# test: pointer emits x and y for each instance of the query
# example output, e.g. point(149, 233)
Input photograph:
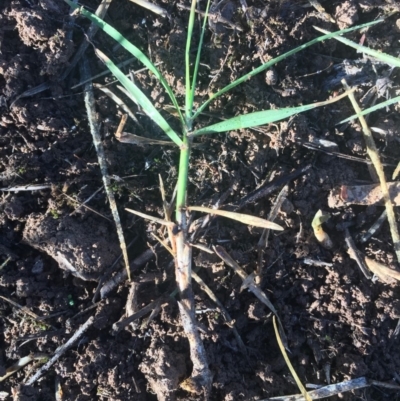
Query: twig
point(121, 126)
point(86, 201)
point(94, 129)
point(118, 326)
point(118, 102)
point(356, 159)
point(363, 195)
point(354, 253)
point(262, 243)
point(61, 350)
point(24, 309)
point(114, 281)
point(223, 311)
point(374, 228)
point(86, 206)
point(326, 391)
point(272, 186)
point(251, 285)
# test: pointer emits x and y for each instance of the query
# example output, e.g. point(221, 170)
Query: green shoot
point(385, 58)
point(371, 109)
point(201, 378)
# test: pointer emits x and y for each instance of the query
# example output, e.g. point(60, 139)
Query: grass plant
point(201, 378)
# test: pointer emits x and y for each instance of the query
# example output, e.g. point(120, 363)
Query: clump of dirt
point(163, 369)
point(82, 247)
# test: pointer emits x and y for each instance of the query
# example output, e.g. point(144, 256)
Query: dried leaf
point(382, 271)
point(151, 218)
point(243, 218)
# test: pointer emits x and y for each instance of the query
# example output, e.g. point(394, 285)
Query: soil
point(53, 252)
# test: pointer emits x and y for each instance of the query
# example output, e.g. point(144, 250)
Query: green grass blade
point(197, 63)
point(385, 58)
point(188, 111)
point(277, 59)
point(261, 117)
point(141, 98)
point(371, 109)
point(108, 29)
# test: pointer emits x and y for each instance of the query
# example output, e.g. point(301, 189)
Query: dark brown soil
point(55, 252)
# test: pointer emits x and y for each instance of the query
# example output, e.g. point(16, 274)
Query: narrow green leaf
point(371, 109)
point(109, 30)
point(385, 58)
point(261, 117)
point(197, 63)
point(188, 111)
point(141, 98)
point(270, 63)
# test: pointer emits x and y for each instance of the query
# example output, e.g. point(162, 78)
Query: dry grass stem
point(372, 152)
point(289, 364)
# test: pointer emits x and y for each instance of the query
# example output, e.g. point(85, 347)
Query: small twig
point(321, 10)
point(272, 186)
point(86, 201)
point(118, 102)
point(354, 253)
point(326, 391)
point(94, 129)
point(252, 286)
point(60, 351)
point(24, 309)
point(262, 243)
point(121, 126)
point(86, 206)
point(224, 312)
point(312, 146)
point(107, 273)
point(374, 228)
point(114, 281)
point(118, 326)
